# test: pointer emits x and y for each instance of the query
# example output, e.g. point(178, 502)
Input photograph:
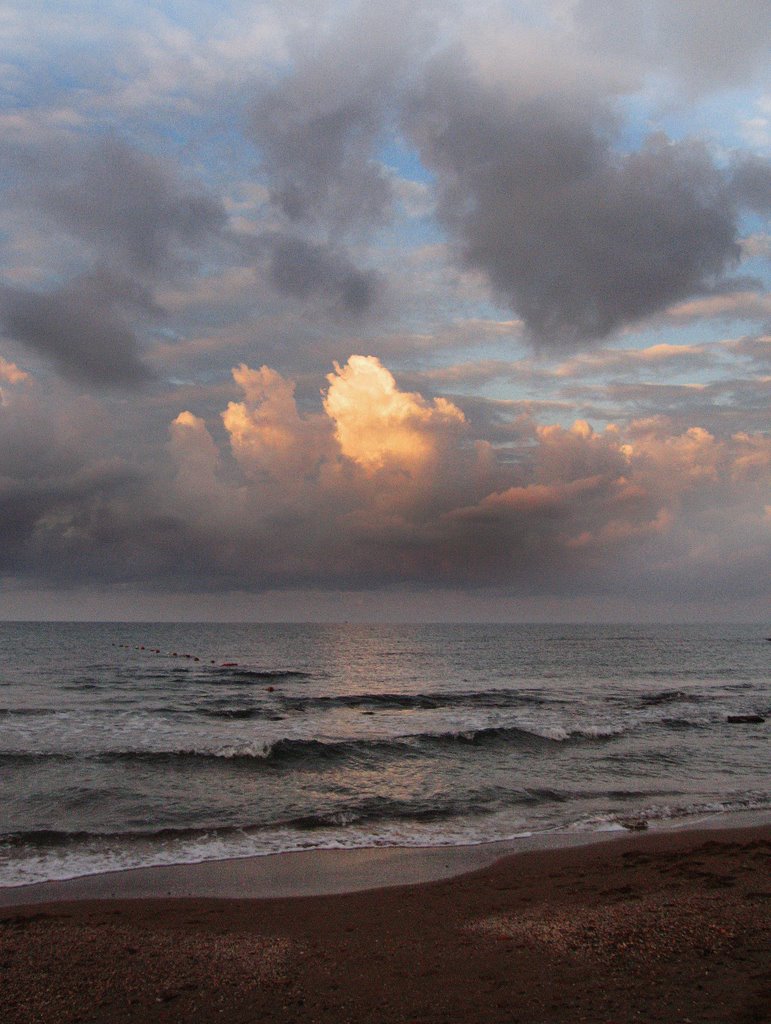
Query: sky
point(441, 311)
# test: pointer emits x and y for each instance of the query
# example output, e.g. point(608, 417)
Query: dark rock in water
point(635, 824)
point(746, 719)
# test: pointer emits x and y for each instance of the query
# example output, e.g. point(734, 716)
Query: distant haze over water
point(127, 744)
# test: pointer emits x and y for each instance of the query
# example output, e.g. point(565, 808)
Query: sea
point(133, 744)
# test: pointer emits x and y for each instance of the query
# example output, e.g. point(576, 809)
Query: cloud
point(132, 221)
point(706, 43)
point(756, 246)
point(268, 437)
point(521, 132)
point(58, 482)
point(129, 202)
point(755, 348)
point(522, 137)
point(131, 207)
point(378, 426)
point(302, 269)
point(195, 454)
point(578, 238)
point(84, 327)
point(319, 156)
point(385, 487)
point(732, 305)
point(395, 492)
point(607, 502)
point(752, 183)
point(318, 125)
point(663, 357)
point(10, 372)
point(433, 184)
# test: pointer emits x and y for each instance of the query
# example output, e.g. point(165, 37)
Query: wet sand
point(652, 927)
point(303, 873)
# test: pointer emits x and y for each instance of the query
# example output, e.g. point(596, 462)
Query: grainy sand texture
point(656, 927)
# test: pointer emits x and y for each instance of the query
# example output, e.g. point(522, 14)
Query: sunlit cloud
point(379, 426)
point(10, 372)
point(629, 360)
point(743, 305)
point(387, 485)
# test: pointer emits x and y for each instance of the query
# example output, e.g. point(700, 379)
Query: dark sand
point(653, 927)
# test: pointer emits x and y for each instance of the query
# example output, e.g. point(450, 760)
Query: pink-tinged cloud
point(630, 360)
point(267, 433)
point(743, 305)
point(279, 500)
point(377, 425)
point(519, 503)
point(385, 486)
point(11, 374)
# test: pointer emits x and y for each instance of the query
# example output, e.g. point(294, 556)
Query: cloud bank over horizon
point(384, 488)
point(376, 298)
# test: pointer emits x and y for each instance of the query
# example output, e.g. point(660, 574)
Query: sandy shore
point(304, 873)
point(653, 927)
point(323, 872)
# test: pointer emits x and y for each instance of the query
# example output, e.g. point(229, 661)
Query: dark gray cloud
point(131, 206)
point(317, 127)
point(305, 269)
point(57, 489)
point(577, 237)
point(752, 183)
point(318, 156)
point(138, 224)
point(85, 328)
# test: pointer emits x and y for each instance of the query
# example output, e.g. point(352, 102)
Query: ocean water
point(128, 744)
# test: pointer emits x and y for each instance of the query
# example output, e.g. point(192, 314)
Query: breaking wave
point(292, 749)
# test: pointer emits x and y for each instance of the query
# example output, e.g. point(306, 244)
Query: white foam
point(100, 855)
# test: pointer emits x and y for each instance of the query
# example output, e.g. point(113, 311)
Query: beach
point(663, 925)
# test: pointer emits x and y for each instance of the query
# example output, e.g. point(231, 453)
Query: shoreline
point(670, 926)
point(324, 872)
